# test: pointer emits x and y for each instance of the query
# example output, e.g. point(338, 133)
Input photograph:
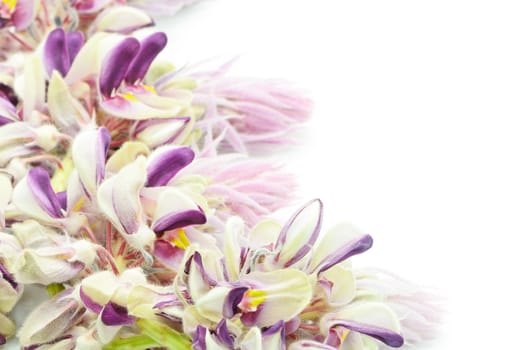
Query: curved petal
point(89, 151)
point(300, 233)
point(120, 19)
point(337, 245)
point(34, 196)
point(157, 132)
point(56, 52)
point(151, 46)
point(370, 318)
point(286, 293)
point(176, 210)
point(165, 162)
point(115, 65)
point(118, 197)
point(116, 315)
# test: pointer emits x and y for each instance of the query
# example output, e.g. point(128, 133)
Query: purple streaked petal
point(346, 251)
point(197, 259)
point(165, 165)
point(39, 184)
point(116, 315)
point(384, 335)
point(309, 241)
point(233, 298)
point(89, 302)
point(150, 47)
point(8, 277)
point(74, 42)
point(223, 335)
point(198, 342)
point(178, 220)
point(56, 52)
point(165, 303)
point(3, 339)
point(63, 199)
point(103, 143)
point(115, 65)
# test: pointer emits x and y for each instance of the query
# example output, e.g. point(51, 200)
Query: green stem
point(54, 289)
point(163, 335)
point(138, 342)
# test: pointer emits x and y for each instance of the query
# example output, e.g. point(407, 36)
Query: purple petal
point(74, 42)
point(199, 338)
point(9, 94)
point(167, 164)
point(89, 302)
point(103, 143)
point(150, 47)
point(3, 339)
point(178, 220)
point(313, 236)
point(4, 120)
point(249, 319)
point(63, 199)
point(279, 326)
point(56, 53)
point(346, 251)
point(39, 183)
point(8, 277)
point(233, 298)
point(223, 335)
point(116, 315)
point(115, 65)
point(384, 335)
point(168, 254)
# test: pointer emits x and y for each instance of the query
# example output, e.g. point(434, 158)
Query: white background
point(419, 135)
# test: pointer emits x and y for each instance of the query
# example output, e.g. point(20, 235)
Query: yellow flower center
point(129, 96)
point(180, 240)
point(10, 4)
point(252, 299)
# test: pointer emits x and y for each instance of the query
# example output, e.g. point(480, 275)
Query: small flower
point(60, 49)
point(120, 81)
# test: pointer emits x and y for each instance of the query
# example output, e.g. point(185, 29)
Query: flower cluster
point(128, 190)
